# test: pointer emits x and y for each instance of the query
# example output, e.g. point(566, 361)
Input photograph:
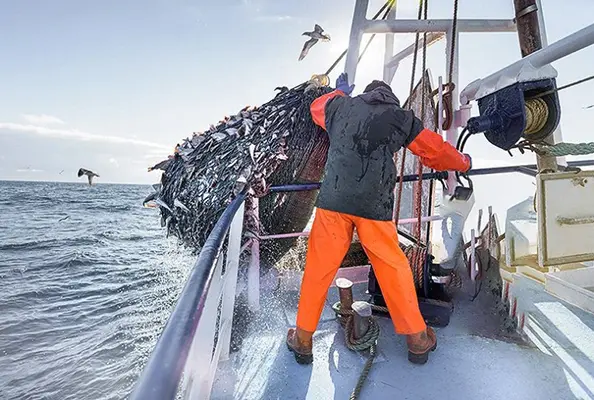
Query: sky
point(112, 86)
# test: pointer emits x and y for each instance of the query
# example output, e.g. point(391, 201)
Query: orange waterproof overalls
point(332, 232)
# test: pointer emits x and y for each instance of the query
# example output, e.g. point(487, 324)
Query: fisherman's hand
point(342, 84)
point(469, 162)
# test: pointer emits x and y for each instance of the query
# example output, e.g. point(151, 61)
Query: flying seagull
point(89, 174)
point(317, 34)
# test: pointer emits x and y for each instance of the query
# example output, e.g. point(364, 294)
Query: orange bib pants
point(329, 241)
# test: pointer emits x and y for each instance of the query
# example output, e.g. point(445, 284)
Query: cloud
point(29, 170)
point(77, 135)
point(274, 18)
point(42, 119)
point(114, 162)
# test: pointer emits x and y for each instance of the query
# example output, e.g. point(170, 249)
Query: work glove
point(342, 84)
point(469, 161)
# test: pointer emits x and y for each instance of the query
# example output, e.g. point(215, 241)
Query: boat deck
point(475, 358)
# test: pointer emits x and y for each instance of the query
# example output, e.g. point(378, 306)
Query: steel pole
point(530, 38)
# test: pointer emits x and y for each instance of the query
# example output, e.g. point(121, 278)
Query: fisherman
point(358, 191)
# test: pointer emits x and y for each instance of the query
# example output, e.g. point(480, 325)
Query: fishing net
point(276, 143)
point(410, 203)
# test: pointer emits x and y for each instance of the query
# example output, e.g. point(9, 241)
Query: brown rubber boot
point(301, 344)
point(419, 346)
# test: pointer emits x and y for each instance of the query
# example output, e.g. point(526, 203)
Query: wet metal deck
point(474, 360)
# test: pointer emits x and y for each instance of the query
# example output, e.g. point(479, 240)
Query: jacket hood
point(380, 95)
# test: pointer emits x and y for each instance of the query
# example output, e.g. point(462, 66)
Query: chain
point(449, 87)
point(453, 46)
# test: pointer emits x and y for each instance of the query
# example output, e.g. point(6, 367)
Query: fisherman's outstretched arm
point(436, 153)
point(318, 107)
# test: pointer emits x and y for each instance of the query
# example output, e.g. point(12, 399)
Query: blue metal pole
point(529, 169)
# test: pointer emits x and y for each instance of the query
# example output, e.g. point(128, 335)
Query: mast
point(531, 37)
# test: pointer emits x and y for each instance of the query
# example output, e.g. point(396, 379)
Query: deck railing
point(197, 334)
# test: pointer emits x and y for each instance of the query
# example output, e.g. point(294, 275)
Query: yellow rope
point(537, 114)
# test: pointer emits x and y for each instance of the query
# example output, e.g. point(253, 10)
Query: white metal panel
point(521, 233)
point(198, 365)
point(230, 281)
point(574, 286)
point(566, 217)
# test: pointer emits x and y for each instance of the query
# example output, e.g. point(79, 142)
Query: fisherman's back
point(360, 174)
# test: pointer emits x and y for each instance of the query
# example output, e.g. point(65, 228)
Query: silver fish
point(179, 204)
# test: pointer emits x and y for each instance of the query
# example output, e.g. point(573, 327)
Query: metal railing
point(198, 332)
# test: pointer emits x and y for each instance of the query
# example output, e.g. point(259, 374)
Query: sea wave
point(83, 298)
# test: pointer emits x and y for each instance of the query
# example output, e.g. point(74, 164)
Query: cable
point(464, 142)
point(373, 36)
point(579, 81)
point(461, 138)
point(389, 3)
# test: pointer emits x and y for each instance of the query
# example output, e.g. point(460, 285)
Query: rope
point(416, 253)
point(565, 149)
point(411, 91)
point(367, 341)
point(390, 7)
point(417, 256)
point(419, 194)
point(390, 4)
point(537, 114)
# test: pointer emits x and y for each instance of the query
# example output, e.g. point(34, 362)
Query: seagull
point(89, 174)
point(317, 34)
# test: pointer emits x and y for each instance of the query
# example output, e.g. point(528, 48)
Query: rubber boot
point(301, 344)
point(420, 345)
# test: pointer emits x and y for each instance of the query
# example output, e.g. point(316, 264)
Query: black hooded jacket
point(365, 131)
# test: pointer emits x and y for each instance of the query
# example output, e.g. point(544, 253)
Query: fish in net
point(276, 143)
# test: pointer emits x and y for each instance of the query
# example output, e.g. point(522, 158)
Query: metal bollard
point(345, 292)
point(361, 319)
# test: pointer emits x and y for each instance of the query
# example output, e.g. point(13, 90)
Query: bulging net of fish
point(276, 143)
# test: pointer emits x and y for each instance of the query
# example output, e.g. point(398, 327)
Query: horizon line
point(74, 182)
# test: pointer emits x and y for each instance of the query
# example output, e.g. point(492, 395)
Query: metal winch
point(525, 109)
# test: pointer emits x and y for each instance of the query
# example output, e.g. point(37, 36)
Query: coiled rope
point(537, 114)
point(367, 341)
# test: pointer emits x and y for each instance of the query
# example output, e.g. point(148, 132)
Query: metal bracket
point(525, 11)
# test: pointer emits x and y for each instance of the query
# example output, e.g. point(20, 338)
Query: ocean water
point(87, 282)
